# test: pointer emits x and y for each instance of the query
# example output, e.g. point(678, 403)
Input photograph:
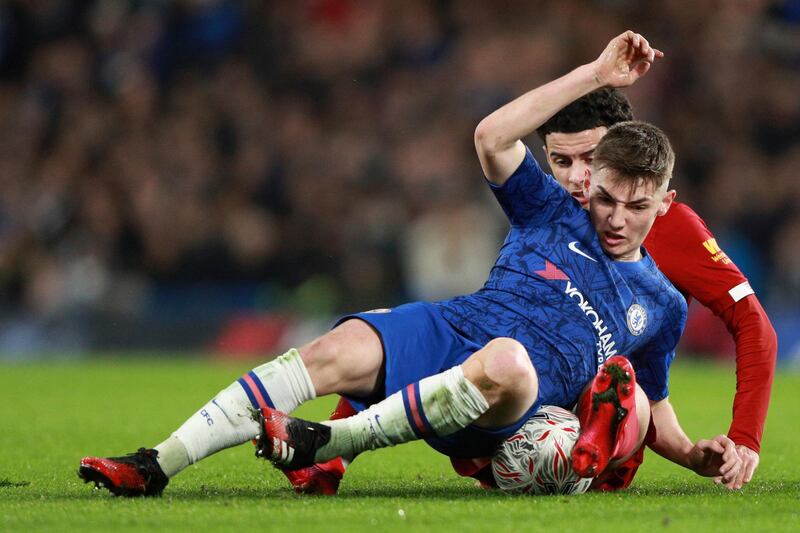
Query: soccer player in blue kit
point(569, 291)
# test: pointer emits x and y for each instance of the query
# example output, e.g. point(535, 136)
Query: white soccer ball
point(536, 459)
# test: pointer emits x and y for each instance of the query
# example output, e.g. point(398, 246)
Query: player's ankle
point(172, 456)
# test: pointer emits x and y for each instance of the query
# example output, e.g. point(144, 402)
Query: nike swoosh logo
point(574, 247)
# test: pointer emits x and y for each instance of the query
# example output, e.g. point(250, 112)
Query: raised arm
point(498, 136)
point(715, 457)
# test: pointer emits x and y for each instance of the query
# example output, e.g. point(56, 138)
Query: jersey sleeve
point(530, 195)
point(653, 360)
point(688, 254)
point(652, 373)
point(756, 353)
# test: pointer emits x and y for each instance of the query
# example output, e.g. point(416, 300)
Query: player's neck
point(630, 257)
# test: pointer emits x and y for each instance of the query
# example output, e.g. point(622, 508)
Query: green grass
point(52, 414)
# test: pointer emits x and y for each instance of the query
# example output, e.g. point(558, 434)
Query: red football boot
point(622, 476)
point(322, 478)
point(288, 442)
point(604, 423)
point(136, 474)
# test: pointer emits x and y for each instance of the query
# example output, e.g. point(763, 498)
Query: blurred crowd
point(321, 150)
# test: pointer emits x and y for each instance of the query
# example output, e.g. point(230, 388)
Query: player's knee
point(336, 345)
point(346, 359)
point(508, 367)
point(322, 351)
point(325, 360)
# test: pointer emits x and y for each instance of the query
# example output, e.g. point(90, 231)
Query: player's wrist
point(690, 455)
point(597, 76)
point(745, 448)
point(745, 441)
point(591, 77)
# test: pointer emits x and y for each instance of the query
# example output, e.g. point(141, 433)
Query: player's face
point(622, 215)
point(570, 157)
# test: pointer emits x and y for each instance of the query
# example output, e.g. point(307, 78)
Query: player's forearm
point(498, 136)
point(523, 115)
point(671, 441)
point(756, 353)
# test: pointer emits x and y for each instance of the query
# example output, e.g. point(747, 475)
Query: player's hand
point(749, 465)
point(627, 58)
point(717, 458)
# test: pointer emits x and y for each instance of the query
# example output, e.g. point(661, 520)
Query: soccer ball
point(536, 459)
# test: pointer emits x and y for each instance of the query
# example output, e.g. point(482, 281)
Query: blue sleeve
point(652, 374)
point(530, 195)
point(652, 363)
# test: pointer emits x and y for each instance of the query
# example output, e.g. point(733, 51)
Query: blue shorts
point(418, 342)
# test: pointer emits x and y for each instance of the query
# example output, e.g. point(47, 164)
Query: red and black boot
point(604, 411)
point(135, 474)
point(322, 478)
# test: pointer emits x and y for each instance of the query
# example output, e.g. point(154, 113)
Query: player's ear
point(587, 180)
point(666, 202)
point(544, 147)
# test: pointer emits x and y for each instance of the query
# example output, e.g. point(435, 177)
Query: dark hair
point(603, 107)
point(638, 152)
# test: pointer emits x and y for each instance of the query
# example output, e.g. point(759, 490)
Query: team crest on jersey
point(637, 319)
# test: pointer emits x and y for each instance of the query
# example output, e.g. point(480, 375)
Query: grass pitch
point(52, 414)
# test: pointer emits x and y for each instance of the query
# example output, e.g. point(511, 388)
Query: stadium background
point(227, 176)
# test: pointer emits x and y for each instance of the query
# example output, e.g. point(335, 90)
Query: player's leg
point(347, 359)
point(324, 478)
point(626, 453)
point(494, 387)
point(433, 346)
point(614, 414)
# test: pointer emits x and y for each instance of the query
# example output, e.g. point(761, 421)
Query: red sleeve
point(756, 352)
point(687, 253)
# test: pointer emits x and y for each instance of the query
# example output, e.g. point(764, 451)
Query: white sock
point(231, 417)
point(437, 405)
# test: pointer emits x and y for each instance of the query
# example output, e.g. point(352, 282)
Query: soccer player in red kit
point(571, 115)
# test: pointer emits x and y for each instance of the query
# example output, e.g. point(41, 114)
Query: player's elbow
point(751, 327)
point(487, 141)
point(771, 341)
point(495, 152)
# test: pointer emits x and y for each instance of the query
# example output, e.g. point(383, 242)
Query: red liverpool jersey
point(688, 254)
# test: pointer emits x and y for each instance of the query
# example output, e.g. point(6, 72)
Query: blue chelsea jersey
point(555, 290)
